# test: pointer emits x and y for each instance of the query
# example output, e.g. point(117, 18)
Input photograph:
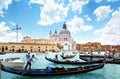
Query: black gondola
point(2, 53)
point(67, 56)
point(73, 62)
point(95, 56)
point(108, 60)
point(112, 61)
point(49, 71)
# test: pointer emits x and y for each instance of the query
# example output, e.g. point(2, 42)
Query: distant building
point(39, 45)
point(64, 38)
point(96, 46)
point(30, 45)
point(56, 42)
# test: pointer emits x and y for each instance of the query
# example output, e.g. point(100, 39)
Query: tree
point(59, 46)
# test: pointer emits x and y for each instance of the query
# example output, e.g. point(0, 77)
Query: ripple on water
point(110, 71)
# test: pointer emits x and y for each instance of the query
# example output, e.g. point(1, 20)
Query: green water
point(110, 71)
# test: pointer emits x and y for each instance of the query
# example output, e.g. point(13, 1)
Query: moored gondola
point(2, 53)
point(95, 56)
point(67, 56)
point(115, 60)
point(73, 62)
point(50, 71)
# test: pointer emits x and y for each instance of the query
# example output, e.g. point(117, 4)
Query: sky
point(87, 20)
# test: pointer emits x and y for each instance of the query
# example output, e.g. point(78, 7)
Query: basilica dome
point(64, 30)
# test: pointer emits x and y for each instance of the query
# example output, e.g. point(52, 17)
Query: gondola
point(108, 60)
point(67, 56)
point(112, 62)
point(73, 62)
point(95, 56)
point(50, 71)
point(75, 52)
point(2, 53)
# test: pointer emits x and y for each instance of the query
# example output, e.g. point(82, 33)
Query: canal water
point(109, 71)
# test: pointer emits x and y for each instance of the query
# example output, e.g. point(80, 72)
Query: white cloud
point(102, 12)
point(3, 27)
point(51, 12)
point(77, 24)
point(98, 1)
point(4, 6)
point(6, 34)
point(110, 34)
point(87, 18)
point(42, 2)
point(112, 0)
point(13, 24)
point(77, 5)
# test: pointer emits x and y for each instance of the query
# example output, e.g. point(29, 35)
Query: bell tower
point(50, 34)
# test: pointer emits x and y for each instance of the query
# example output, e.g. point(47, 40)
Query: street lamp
point(17, 28)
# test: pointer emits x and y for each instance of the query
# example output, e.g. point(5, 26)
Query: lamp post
point(17, 28)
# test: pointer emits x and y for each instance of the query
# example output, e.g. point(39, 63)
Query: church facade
point(64, 38)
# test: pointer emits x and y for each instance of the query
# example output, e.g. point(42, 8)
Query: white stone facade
point(64, 38)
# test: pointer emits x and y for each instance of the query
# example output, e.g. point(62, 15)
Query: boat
point(50, 71)
point(67, 56)
point(9, 59)
point(12, 62)
point(2, 53)
point(73, 62)
point(76, 52)
point(115, 60)
point(95, 56)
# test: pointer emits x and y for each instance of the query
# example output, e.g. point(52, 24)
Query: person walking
point(29, 60)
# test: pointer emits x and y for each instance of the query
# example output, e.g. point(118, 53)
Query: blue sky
point(87, 20)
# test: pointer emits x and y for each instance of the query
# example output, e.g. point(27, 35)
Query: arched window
point(22, 46)
point(23, 49)
point(6, 48)
point(31, 50)
point(13, 46)
point(45, 48)
point(38, 50)
point(13, 50)
point(2, 48)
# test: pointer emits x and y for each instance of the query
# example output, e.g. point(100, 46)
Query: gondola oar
point(24, 73)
